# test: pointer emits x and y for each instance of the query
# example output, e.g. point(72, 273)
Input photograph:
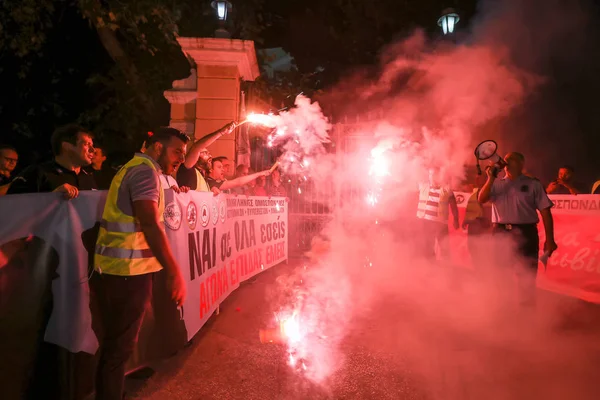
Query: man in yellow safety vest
point(131, 247)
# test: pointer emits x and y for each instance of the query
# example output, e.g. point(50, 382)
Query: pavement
point(395, 348)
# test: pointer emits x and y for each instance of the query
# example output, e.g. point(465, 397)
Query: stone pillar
point(221, 64)
point(183, 103)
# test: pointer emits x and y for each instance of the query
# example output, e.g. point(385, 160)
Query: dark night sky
point(556, 40)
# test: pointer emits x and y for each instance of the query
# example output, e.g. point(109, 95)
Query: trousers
point(519, 250)
point(433, 232)
point(118, 304)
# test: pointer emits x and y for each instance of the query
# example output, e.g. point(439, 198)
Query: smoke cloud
point(434, 101)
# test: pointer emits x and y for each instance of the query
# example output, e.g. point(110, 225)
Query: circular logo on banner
point(204, 214)
point(460, 199)
point(192, 215)
point(172, 216)
point(214, 213)
point(222, 211)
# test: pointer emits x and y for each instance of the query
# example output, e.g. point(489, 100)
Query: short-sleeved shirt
point(517, 201)
point(141, 182)
point(48, 176)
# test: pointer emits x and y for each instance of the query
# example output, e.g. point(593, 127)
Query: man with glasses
point(8, 163)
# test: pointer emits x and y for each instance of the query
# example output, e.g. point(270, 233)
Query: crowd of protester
point(80, 164)
point(125, 259)
point(166, 160)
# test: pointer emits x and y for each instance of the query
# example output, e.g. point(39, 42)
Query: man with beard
point(197, 162)
point(516, 200)
point(73, 149)
point(131, 248)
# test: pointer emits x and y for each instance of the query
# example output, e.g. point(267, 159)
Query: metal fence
point(310, 207)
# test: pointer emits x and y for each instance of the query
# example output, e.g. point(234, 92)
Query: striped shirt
point(433, 203)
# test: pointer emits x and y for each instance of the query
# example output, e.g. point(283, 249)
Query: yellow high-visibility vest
point(433, 208)
point(474, 208)
point(121, 248)
point(201, 185)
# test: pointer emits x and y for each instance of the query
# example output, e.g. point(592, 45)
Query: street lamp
point(448, 21)
point(222, 7)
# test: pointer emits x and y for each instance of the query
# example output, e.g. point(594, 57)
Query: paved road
point(394, 348)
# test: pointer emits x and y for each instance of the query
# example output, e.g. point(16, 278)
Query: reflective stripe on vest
point(121, 248)
point(433, 203)
point(116, 252)
point(201, 185)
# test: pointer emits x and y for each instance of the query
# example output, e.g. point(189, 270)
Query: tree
point(103, 63)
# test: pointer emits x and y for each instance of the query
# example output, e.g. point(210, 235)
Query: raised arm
point(242, 180)
point(194, 152)
point(485, 192)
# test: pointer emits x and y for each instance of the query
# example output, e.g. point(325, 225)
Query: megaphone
point(488, 150)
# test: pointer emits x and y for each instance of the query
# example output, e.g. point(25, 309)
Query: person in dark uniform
point(73, 149)
point(516, 199)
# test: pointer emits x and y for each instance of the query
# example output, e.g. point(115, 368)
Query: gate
point(310, 208)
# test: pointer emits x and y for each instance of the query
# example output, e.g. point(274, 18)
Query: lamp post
point(222, 7)
point(448, 21)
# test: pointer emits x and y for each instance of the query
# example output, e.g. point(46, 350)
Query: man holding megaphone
point(516, 199)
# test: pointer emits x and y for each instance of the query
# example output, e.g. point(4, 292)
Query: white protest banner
point(574, 269)
point(220, 241)
point(46, 241)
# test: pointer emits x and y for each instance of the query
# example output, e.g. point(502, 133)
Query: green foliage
point(103, 63)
